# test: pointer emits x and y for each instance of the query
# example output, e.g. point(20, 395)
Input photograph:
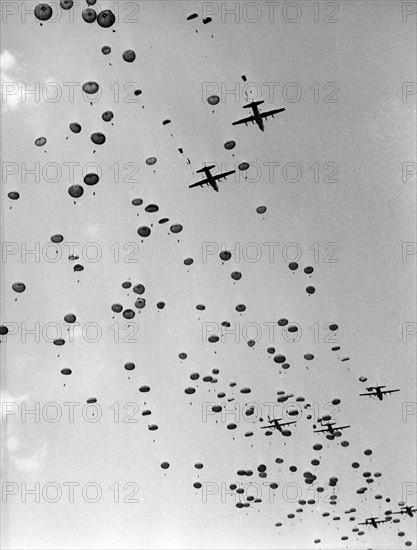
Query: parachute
point(70, 318)
point(309, 356)
point(128, 314)
point(107, 116)
point(151, 208)
point(90, 87)
point(19, 287)
point(236, 275)
point(137, 202)
point(144, 231)
point(13, 195)
point(176, 228)
point(106, 50)
point(40, 141)
point(308, 270)
point(98, 138)
point(293, 266)
point(243, 166)
point(76, 191)
point(189, 391)
point(43, 12)
point(106, 19)
point(282, 322)
point(140, 303)
point(75, 127)
point(117, 308)
point(230, 145)
point(91, 2)
point(129, 366)
point(139, 289)
point(91, 179)
point(129, 56)
point(164, 465)
point(66, 4)
point(188, 261)
point(126, 284)
point(213, 100)
point(261, 209)
point(150, 161)
point(310, 290)
point(89, 15)
point(66, 371)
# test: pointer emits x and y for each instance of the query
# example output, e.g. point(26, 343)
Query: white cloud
point(12, 443)
point(16, 91)
point(32, 463)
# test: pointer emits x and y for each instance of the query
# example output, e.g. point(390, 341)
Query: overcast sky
point(343, 153)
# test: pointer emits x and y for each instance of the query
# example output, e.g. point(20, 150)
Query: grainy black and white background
point(102, 463)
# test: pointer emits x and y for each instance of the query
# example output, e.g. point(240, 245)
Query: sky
point(336, 173)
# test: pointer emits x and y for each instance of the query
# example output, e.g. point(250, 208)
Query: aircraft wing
point(244, 120)
point(363, 523)
point(340, 428)
point(202, 182)
point(317, 431)
point(220, 176)
point(287, 423)
point(371, 393)
point(271, 113)
point(397, 513)
point(271, 426)
point(389, 391)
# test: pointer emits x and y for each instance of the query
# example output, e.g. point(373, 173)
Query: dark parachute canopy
point(106, 19)
point(43, 12)
point(213, 100)
point(129, 56)
point(57, 238)
point(19, 287)
point(14, 195)
point(144, 231)
point(66, 4)
point(176, 228)
point(76, 191)
point(40, 141)
point(91, 179)
point(107, 116)
point(98, 138)
point(90, 87)
point(75, 127)
point(89, 15)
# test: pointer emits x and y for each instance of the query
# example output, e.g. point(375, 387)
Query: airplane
point(374, 522)
point(377, 392)
point(257, 116)
point(210, 179)
point(276, 425)
point(409, 510)
point(331, 428)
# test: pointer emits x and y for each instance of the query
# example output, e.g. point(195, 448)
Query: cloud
point(32, 463)
point(16, 91)
point(12, 443)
